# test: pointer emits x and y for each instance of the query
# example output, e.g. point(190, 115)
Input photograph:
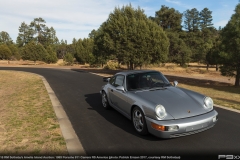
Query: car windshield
point(146, 80)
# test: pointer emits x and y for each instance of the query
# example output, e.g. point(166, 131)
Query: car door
point(115, 82)
point(110, 90)
point(120, 98)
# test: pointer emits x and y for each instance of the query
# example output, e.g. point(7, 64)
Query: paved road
point(106, 132)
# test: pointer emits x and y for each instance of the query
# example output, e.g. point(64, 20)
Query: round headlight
point(208, 103)
point(160, 111)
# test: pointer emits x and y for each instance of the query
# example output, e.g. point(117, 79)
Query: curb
point(73, 144)
point(229, 109)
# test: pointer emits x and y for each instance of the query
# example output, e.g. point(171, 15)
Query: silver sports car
point(156, 106)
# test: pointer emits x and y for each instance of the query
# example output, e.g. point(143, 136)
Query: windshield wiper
point(160, 87)
point(167, 84)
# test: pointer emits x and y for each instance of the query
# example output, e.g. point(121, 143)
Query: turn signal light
point(158, 127)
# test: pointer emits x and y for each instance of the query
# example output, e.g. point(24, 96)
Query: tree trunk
point(131, 65)
point(216, 67)
point(237, 80)
point(207, 66)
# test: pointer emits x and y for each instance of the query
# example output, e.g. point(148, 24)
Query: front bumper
point(186, 126)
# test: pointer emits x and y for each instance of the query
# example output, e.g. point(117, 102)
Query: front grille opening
point(189, 133)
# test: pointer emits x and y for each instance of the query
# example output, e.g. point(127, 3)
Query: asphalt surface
point(107, 132)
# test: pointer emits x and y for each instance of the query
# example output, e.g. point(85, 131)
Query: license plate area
point(196, 127)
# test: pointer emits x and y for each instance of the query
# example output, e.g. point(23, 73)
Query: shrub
point(5, 52)
point(111, 65)
point(68, 59)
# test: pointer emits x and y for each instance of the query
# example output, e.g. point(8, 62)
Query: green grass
point(228, 96)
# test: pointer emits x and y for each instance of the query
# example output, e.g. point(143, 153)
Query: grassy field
point(228, 96)
point(28, 123)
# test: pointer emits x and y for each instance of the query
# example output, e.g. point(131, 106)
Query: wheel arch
point(135, 105)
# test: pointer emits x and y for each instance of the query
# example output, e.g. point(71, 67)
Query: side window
point(119, 80)
point(112, 80)
point(132, 82)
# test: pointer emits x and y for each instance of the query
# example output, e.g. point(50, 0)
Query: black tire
point(138, 121)
point(105, 100)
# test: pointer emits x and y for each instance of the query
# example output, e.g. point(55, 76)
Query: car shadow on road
point(114, 117)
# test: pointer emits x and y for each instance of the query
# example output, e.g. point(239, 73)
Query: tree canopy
point(5, 52)
point(34, 52)
point(5, 38)
point(230, 51)
point(132, 38)
point(168, 18)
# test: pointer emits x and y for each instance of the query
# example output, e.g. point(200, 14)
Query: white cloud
point(179, 3)
point(174, 2)
point(221, 16)
point(222, 23)
point(65, 16)
point(76, 18)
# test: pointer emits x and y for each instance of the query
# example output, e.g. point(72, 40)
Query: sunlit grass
point(28, 123)
point(228, 96)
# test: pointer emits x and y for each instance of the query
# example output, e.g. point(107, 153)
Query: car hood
point(178, 103)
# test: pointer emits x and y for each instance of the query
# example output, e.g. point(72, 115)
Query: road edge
point(73, 143)
point(226, 108)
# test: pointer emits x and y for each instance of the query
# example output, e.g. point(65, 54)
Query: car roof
point(135, 71)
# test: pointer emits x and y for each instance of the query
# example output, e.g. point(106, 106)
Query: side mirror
point(175, 83)
point(106, 79)
point(120, 88)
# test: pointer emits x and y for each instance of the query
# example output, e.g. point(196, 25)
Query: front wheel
point(105, 101)
point(139, 122)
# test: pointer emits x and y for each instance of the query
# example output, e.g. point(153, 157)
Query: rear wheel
point(139, 122)
point(105, 100)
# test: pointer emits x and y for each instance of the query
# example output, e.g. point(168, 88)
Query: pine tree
point(168, 18)
point(230, 56)
point(69, 59)
point(178, 51)
point(205, 18)
point(25, 34)
point(5, 38)
point(52, 56)
point(15, 52)
point(38, 25)
point(34, 52)
point(5, 52)
point(132, 38)
point(100, 52)
point(192, 20)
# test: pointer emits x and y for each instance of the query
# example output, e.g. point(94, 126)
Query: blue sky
point(76, 18)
